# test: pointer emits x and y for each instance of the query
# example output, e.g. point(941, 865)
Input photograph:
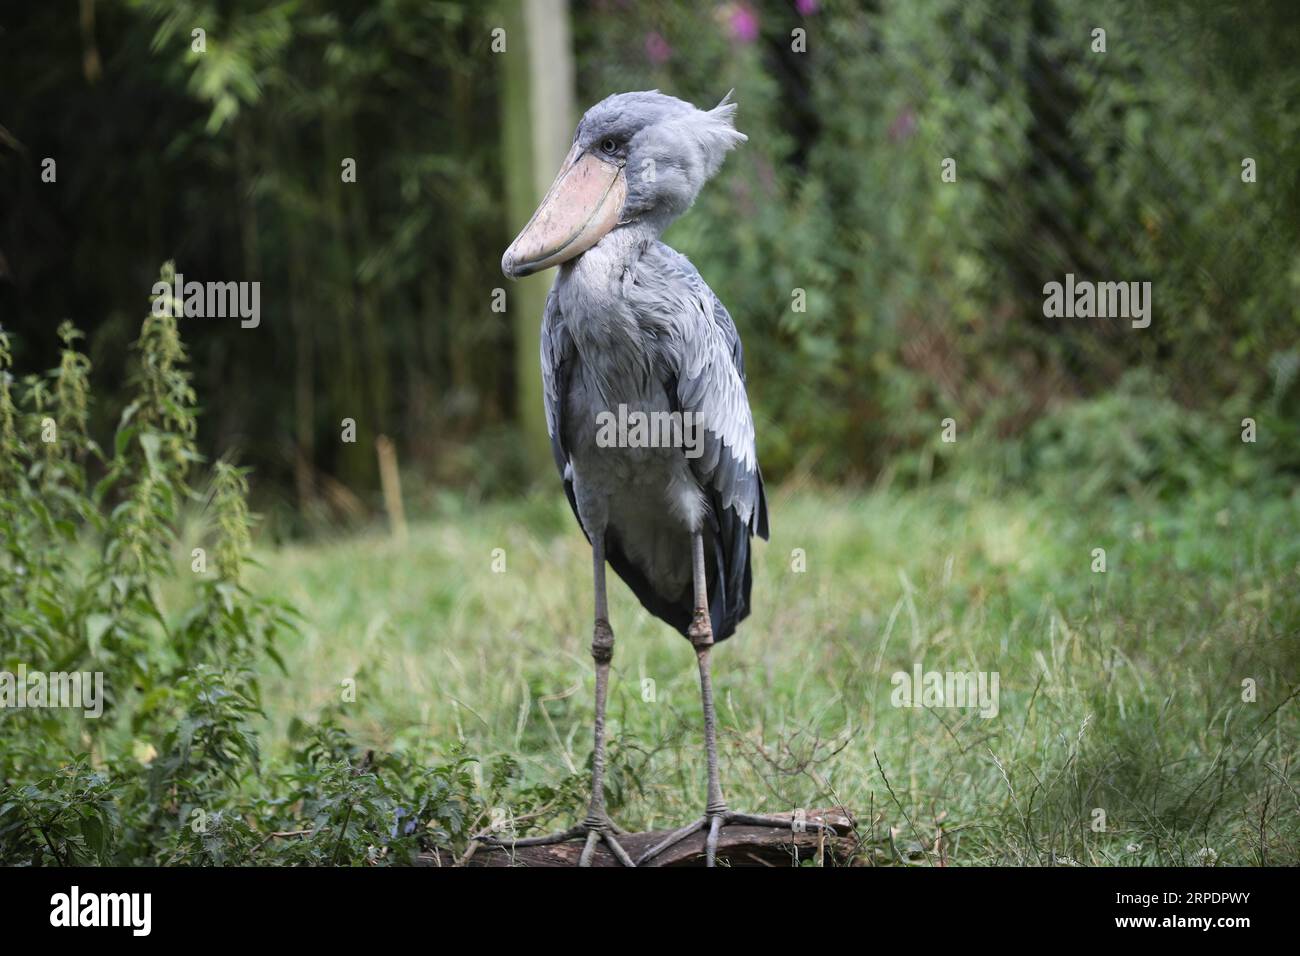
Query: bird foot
point(712, 823)
point(592, 831)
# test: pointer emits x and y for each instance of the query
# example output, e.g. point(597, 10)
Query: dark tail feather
point(677, 612)
point(726, 566)
point(727, 569)
point(730, 575)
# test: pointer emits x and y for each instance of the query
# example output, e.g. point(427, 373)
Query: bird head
point(636, 158)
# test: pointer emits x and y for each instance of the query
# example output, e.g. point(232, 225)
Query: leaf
point(97, 625)
point(123, 439)
point(151, 443)
point(93, 831)
point(274, 654)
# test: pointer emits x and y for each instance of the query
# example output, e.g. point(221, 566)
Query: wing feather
point(557, 365)
point(710, 378)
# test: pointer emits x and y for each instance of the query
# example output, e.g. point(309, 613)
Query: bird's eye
point(609, 147)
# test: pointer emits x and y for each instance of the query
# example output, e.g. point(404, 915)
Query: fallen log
point(740, 845)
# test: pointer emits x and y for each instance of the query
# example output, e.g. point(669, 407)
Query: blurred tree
point(538, 117)
point(230, 161)
point(875, 299)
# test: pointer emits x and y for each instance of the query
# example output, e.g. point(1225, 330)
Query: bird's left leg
point(597, 826)
point(716, 813)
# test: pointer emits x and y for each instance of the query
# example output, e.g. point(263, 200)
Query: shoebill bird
point(629, 322)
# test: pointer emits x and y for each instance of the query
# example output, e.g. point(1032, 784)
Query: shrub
point(96, 577)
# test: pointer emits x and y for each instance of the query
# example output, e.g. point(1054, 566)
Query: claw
point(617, 849)
point(677, 836)
point(711, 844)
point(593, 837)
point(593, 834)
point(714, 822)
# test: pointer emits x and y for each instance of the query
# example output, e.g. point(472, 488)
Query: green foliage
point(924, 297)
point(1121, 690)
point(375, 303)
point(1134, 441)
point(110, 581)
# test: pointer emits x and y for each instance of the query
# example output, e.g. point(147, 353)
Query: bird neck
point(612, 260)
point(629, 240)
point(593, 291)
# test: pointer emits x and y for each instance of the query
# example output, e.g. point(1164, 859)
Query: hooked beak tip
point(512, 268)
point(509, 265)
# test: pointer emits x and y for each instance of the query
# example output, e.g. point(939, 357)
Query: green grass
point(1120, 691)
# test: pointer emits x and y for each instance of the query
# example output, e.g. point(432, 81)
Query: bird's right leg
point(597, 826)
point(716, 813)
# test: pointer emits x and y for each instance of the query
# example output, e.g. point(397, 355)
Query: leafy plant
point(98, 578)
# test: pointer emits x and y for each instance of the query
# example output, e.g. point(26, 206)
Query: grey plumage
point(631, 322)
point(629, 325)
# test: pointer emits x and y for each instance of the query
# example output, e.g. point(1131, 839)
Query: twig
point(901, 810)
point(285, 833)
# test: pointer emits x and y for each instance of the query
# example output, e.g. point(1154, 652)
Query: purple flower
point(742, 21)
point(806, 8)
point(657, 50)
point(903, 126)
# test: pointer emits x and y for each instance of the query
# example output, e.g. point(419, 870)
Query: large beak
point(581, 206)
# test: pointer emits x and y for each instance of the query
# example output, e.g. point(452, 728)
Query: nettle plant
point(96, 579)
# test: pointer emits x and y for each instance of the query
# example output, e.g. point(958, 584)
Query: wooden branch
point(738, 845)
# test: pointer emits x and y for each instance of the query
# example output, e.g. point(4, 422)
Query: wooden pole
point(538, 116)
point(391, 480)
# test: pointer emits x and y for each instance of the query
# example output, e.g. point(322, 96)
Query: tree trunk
point(538, 118)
